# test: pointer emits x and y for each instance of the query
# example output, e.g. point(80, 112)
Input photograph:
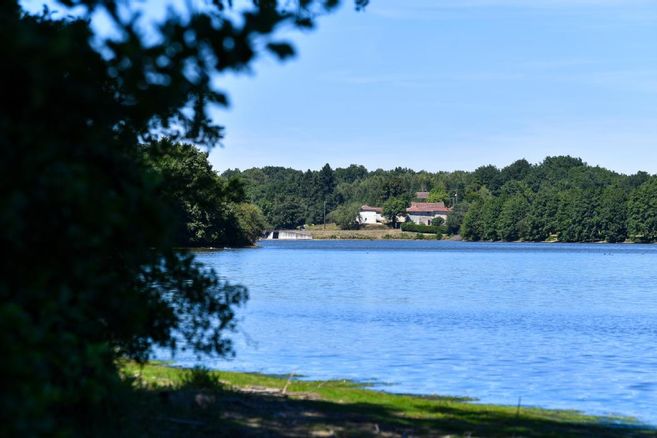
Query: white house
point(423, 212)
point(370, 215)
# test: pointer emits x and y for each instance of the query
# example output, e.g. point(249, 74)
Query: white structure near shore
point(370, 215)
point(288, 235)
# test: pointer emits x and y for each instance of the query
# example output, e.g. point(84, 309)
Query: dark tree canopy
point(208, 208)
point(93, 274)
point(642, 212)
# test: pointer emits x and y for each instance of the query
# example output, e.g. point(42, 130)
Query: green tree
point(437, 221)
point(346, 216)
point(488, 176)
point(350, 174)
point(552, 170)
point(490, 212)
point(512, 223)
point(472, 228)
point(541, 220)
point(613, 214)
point(111, 283)
point(250, 220)
point(456, 217)
point(578, 216)
point(327, 181)
point(394, 186)
point(514, 205)
point(438, 194)
point(634, 181)
point(287, 213)
point(477, 194)
point(393, 208)
point(201, 200)
point(518, 171)
point(642, 212)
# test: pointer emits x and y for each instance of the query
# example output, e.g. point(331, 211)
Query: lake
point(560, 325)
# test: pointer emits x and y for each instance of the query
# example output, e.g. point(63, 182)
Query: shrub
point(201, 378)
point(415, 228)
point(437, 221)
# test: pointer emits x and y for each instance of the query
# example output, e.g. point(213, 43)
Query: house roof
point(422, 195)
point(368, 208)
point(428, 207)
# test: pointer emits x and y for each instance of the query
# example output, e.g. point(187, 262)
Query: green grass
point(177, 402)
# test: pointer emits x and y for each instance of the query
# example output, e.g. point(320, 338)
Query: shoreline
point(260, 404)
point(397, 235)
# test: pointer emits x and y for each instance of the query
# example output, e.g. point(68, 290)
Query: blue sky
point(454, 84)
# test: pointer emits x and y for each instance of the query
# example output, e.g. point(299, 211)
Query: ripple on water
point(560, 325)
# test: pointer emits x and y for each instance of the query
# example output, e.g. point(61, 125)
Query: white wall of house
point(370, 217)
point(425, 218)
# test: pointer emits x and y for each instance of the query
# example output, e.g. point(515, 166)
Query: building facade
point(370, 215)
point(422, 213)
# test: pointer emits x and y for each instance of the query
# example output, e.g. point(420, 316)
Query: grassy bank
point(369, 233)
point(176, 402)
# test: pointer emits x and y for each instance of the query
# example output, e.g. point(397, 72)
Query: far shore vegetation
point(560, 199)
point(193, 402)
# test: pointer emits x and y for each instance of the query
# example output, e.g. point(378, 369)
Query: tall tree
point(490, 213)
point(512, 222)
point(578, 216)
point(471, 228)
point(394, 208)
point(613, 214)
point(516, 171)
point(327, 180)
point(73, 112)
point(642, 212)
point(438, 194)
point(488, 176)
point(541, 218)
point(204, 204)
point(455, 219)
point(350, 174)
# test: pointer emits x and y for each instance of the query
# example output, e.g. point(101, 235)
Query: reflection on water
point(563, 326)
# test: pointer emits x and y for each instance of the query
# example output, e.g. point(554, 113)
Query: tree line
point(561, 198)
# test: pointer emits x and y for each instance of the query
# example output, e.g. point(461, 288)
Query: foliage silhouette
point(209, 209)
point(93, 274)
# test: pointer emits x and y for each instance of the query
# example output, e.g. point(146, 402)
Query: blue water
point(560, 325)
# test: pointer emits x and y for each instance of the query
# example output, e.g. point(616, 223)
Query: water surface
point(560, 325)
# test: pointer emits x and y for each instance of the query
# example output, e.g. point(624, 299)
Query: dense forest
point(561, 198)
